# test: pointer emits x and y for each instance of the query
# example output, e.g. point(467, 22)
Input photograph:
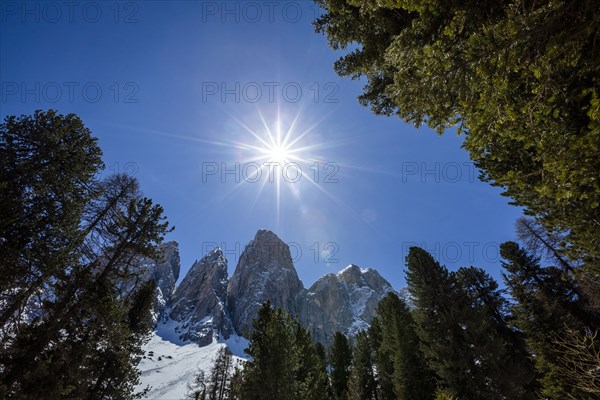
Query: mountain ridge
point(209, 305)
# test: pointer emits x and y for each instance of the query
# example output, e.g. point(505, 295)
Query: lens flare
point(281, 149)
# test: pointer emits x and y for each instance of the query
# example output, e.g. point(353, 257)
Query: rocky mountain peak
point(208, 305)
point(215, 256)
point(164, 270)
point(265, 235)
point(267, 250)
point(265, 271)
point(344, 302)
point(199, 304)
point(351, 274)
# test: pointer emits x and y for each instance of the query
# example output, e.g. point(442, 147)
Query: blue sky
point(176, 92)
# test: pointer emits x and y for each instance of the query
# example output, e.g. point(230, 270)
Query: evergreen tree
point(85, 319)
point(320, 349)
point(220, 376)
point(461, 323)
point(546, 308)
point(48, 164)
point(311, 375)
point(87, 313)
point(398, 353)
point(549, 247)
point(236, 383)
point(383, 363)
point(114, 373)
point(341, 361)
point(363, 383)
point(324, 366)
point(517, 77)
point(285, 363)
point(271, 372)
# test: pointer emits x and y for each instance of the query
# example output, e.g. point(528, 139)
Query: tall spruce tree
point(324, 366)
point(340, 356)
point(363, 382)
point(383, 363)
point(546, 308)
point(48, 164)
point(311, 375)
point(461, 323)
point(285, 362)
point(271, 372)
point(549, 247)
point(398, 354)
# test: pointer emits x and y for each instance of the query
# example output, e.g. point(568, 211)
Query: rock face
point(344, 302)
point(165, 273)
point(207, 305)
point(199, 304)
point(264, 272)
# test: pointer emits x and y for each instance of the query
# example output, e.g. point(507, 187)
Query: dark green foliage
point(270, 374)
point(363, 383)
point(285, 362)
point(518, 77)
point(74, 313)
point(548, 247)
point(547, 309)
point(311, 375)
point(323, 366)
point(383, 362)
point(47, 166)
point(461, 323)
point(402, 370)
point(340, 360)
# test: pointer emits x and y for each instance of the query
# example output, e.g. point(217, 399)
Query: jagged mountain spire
point(343, 302)
point(200, 302)
point(265, 271)
point(207, 305)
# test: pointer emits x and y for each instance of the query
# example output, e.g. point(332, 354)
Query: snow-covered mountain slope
point(170, 364)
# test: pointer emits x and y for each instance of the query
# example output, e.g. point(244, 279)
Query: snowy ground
point(169, 364)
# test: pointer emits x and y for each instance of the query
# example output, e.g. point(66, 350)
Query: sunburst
point(286, 161)
point(273, 145)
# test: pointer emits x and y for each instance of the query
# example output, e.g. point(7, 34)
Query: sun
point(283, 156)
point(279, 154)
point(277, 143)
